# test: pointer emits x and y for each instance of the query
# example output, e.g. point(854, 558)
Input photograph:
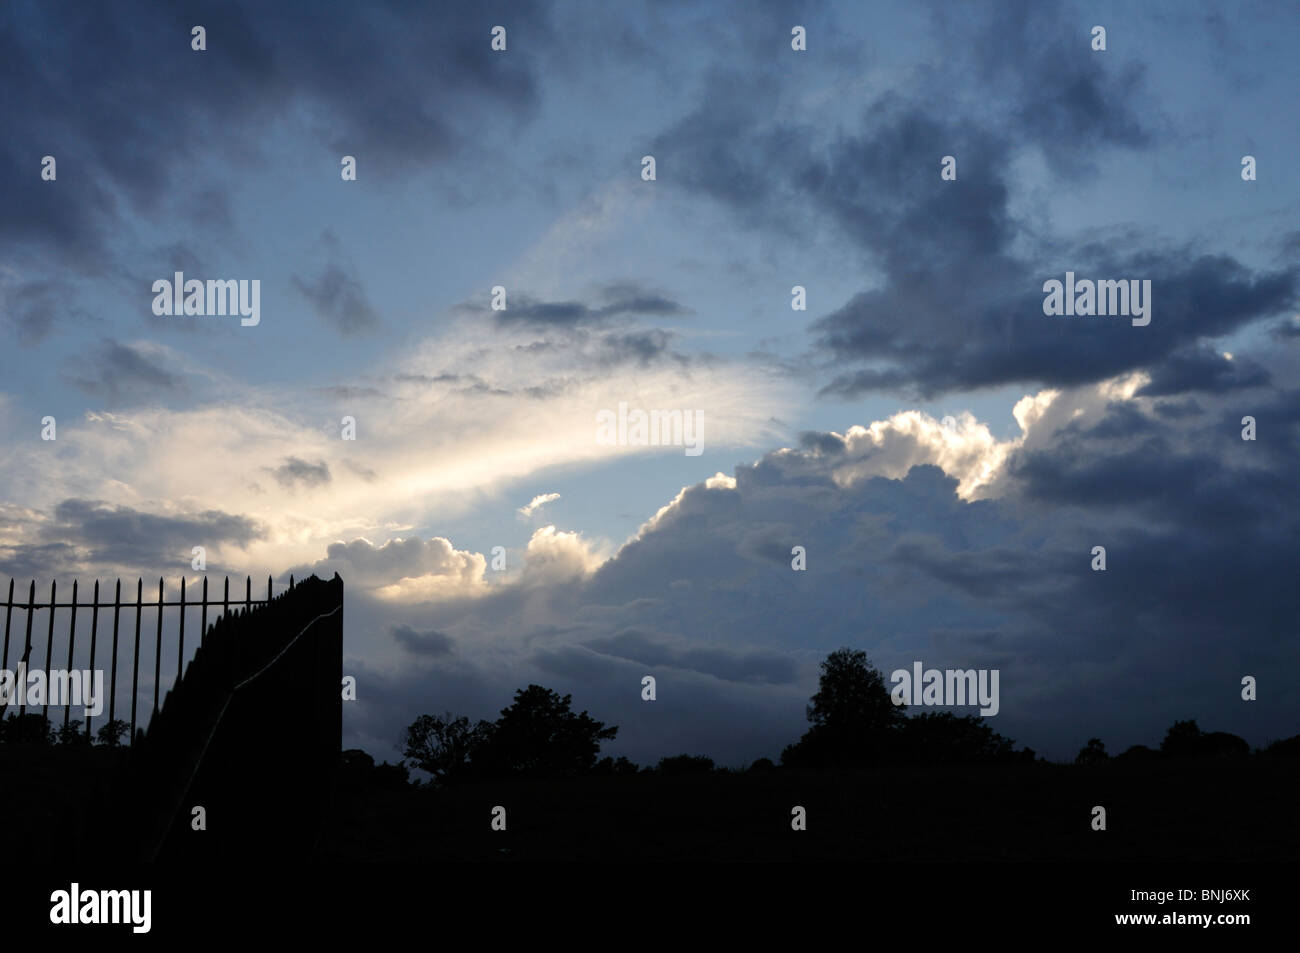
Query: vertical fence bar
point(225, 600)
point(9, 617)
point(135, 665)
point(291, 582)
point(157, 655)
point(27, 648)
point(72, 641)
point(268, 589)
point(49, 646)
point(203, 620)
point(248, 594)
point(94, 628)
point(180, 656)
point(112, 678)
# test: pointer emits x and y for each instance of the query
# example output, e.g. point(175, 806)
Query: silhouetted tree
point(942, 737)
point(112, 732)
point(539, 734)
point(27, 729)
point(1093, 752)
point(71, 734)
point(851, 695)
point(1186, 740)
point(443, 745)
point(1181, 739)
point(853, 718)
point(762, 764)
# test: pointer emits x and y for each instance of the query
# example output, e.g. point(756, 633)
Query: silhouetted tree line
point(1186, 740)
point(35, 729)
point(854, 724)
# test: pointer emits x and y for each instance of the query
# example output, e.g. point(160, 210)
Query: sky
point(965, 544)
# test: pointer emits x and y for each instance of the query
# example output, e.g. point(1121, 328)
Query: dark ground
point(1239, 809)
point(1231, 809)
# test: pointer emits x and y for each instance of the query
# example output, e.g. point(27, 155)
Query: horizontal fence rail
point(135, 610)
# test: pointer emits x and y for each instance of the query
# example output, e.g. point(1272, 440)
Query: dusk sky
point(962, 546)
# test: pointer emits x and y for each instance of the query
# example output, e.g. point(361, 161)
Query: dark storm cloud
point(727, 664)
point(32, 308)
point(1200, 369)
point(339, 300)
point(1197, 484)
point(935, 335)
point(430, 643)
point(122, 374)
point(128, 109)
point(617, 300)
point(122, 535)
point(960, 303)
point(36, 560)
point(294, 472)
point(1060, 94)
point(1286, 330)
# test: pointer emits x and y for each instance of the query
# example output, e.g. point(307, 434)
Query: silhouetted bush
point(358, 771)
point(1285, 748)
point(390, 777)
point(1185, 740)
point(28, 729)
point(1138, 753)
point(685, 764)
point(608, 766)
point(944, 738)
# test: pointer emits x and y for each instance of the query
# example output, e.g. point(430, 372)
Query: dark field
point(1199, 810)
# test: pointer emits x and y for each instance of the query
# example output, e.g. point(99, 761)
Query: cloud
point(261, 68)
point(537, 503)
point(339, 300)
point(935, 543)
point(553, 556)
point(431, 643)
point(32, 308)
point(124, 374)
point(621, 299)
point(81, 533)
point(726, 664)
point(953, 298)
point(402, 568)
point(295, 472)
